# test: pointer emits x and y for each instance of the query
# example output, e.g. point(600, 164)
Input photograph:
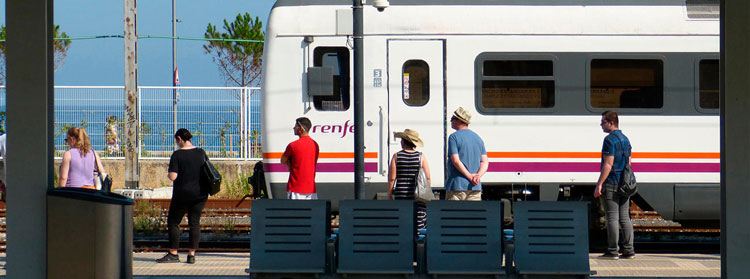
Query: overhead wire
point(154, 37)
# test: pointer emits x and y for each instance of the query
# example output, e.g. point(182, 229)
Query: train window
point(627, 83)
point(336, 58)
point(517, 84)
point(708, 83)
point(415, 83)
point(515, 68)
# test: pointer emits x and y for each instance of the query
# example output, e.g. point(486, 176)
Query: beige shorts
point(473, 195)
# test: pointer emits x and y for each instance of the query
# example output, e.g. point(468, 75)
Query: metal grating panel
point(554, 234)
point(376, 236)
point(464, 237)
point(289, 236)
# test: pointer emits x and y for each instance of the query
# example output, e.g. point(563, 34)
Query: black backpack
point(210, 179)
point(258, 181)
point(627, 186)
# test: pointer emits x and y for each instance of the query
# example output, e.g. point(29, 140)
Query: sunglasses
point(602, 122)
point(299, 125)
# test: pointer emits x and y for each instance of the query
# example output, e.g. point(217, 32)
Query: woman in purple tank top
point(79, 162)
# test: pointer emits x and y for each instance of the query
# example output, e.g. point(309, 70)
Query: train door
point(416, 98)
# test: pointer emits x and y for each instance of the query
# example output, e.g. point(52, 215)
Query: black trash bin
point(89, 234)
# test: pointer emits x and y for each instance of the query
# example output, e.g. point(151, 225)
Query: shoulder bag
point(102, 181)
point(627, 186)
point(423, 190)
point(210, 179)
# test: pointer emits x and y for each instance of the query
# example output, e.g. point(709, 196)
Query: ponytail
point(82, 139)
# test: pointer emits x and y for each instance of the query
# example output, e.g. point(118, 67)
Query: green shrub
point(229, 226)
point(236, 188)
point(148, 218)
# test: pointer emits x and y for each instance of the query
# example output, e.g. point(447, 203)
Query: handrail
point(382, 153)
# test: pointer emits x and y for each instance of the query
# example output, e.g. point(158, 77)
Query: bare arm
point(99, 165)
point(288, 163)
point(64, 169)
point(606, 168)
point(484, 164)
point(391, 177)
point(426, 168)
point(172, 176)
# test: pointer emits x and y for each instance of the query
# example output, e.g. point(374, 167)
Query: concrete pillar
point(30, 103)
point(735, 138)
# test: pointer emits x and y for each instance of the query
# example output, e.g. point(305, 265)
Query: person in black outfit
point(187, 196)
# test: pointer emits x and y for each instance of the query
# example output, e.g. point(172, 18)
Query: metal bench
point(464, 239)
point(552, 239)
point(290, 237)
point(376, 238)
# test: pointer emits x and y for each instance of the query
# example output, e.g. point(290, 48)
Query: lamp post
point(359, 133)
point(359, 115)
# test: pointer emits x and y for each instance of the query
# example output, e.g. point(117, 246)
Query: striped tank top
point(407, 168)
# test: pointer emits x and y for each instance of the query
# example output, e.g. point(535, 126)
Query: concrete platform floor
point(234, 265)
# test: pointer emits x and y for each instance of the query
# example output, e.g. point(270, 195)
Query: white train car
point(536, 76)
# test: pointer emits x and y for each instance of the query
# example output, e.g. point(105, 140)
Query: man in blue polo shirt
point(467, 160)
point(615, 154)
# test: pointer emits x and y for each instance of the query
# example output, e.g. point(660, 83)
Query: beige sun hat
point(463, 115)
point(409, 135)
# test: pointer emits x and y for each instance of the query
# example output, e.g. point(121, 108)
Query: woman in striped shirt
point(403, 171)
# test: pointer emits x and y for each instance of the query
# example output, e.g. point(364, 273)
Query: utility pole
point(359, 115)
point(174, 69)
point(359, 89)
point(132, 151)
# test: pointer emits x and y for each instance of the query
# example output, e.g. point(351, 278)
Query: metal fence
point(225, 121)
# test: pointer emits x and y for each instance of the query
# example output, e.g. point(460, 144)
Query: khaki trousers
point(473, 195)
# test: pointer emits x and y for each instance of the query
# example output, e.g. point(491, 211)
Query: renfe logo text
point(333, 129)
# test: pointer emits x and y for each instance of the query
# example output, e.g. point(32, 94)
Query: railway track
point(651, 221)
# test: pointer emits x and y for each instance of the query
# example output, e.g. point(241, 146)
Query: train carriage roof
point(281, 3)
point(509, 17)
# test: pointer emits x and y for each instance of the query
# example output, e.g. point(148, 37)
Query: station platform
point(235, 265)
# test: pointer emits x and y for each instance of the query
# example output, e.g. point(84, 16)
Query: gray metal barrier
point(89, 234)
point(551, 239)
point(289, 238)
point(376, 237)
point(464, 238)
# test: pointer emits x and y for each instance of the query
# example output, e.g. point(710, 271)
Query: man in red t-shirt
point(301, 157)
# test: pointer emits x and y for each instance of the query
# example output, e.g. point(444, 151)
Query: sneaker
point(628, 256)
point(169, 258)
point(609, 256)
point(191, 259)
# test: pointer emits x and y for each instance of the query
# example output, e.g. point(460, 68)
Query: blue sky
point(100, 61)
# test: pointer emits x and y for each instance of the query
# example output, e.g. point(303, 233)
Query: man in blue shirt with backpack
point(615, 155)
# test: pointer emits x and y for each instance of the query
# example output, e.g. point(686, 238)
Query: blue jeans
point(617, 209)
